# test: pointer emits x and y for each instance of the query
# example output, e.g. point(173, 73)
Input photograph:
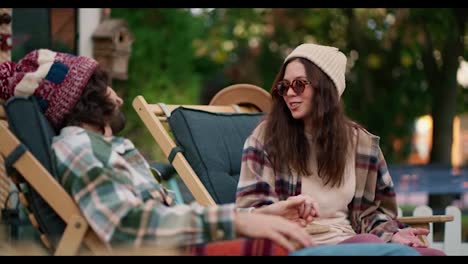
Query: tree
point(161, 65)
point(401, 61)
point(443, 32)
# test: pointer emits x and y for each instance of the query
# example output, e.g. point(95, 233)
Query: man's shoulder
point(79, 141)
point(73, 137)
point(76, 139)
point(71, 134)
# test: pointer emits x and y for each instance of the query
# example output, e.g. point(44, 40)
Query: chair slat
point(2, 113)
point(158, 111)
point(425, 219)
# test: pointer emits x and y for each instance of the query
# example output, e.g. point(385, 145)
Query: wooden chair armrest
point(316, 228)
point(425, 219)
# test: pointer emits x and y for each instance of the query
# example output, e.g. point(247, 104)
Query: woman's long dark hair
point(94, 106)
point(285, 140)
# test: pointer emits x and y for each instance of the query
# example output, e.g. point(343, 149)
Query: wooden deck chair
point(207, 156)
point(25, 147)
point(156, 116)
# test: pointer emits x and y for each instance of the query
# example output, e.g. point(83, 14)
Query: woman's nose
point(290, 91)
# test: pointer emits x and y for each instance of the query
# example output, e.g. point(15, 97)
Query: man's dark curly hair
point(94, 106)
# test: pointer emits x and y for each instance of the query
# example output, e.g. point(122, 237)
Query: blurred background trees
point(402, 63)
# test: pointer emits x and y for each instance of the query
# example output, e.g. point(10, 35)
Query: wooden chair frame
point(77, 233)
point(77, 230)
point(241, 97)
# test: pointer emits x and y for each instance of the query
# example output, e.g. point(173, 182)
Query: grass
point(407, 210)
point(465, 227)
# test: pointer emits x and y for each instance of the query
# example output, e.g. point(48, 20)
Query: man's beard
point(117, 122)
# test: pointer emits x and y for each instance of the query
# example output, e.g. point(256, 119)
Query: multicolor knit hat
point(57, 79)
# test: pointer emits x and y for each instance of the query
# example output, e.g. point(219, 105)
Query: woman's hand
point(309, 209)
point(284, 232)
point(301, 208)
point(409, 236)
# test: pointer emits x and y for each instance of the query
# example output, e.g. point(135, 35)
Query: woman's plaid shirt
point(373, 208)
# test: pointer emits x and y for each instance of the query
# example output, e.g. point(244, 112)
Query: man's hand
point(302, 209)
point(282, 231)
point(409, 236)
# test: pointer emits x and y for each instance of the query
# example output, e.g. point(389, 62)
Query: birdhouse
point(112, 47)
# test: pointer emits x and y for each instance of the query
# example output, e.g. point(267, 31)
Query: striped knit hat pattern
point(329, 59)
point(56, 79)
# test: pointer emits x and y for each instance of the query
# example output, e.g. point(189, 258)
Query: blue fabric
point(434, 179)
point(358, 249)
point(57, 72)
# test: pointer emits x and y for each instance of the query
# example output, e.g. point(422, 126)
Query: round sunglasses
point(298, 86)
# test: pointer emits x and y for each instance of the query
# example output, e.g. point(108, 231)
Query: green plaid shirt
point(115, 190)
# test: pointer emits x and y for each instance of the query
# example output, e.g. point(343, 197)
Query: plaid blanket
point(239, 247)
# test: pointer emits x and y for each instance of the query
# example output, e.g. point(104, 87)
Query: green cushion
point(212, 143)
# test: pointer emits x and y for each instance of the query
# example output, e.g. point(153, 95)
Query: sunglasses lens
point(298, 86)
point(282, 88)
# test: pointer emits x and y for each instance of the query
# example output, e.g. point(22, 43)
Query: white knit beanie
point(329, 59)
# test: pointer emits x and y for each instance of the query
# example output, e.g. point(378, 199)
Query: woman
point(308, 149)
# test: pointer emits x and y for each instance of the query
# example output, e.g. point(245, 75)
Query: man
point(110, 180)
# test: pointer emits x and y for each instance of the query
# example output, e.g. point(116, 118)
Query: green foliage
point(175, 52)
point(161, 65)
point(465, 227)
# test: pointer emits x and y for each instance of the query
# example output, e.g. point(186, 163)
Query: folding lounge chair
point(25, 147)
point(153, 116)
point(208, 142)
point(26, 150)
point(252, 96)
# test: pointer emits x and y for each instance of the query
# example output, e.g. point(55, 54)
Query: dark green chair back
point(29, 125)
point(212, 143)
